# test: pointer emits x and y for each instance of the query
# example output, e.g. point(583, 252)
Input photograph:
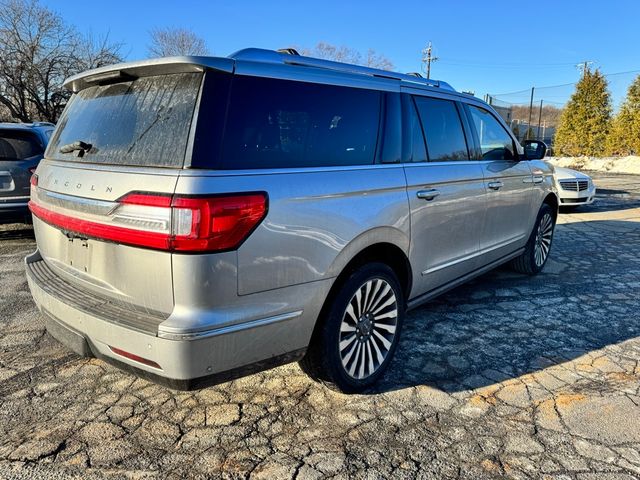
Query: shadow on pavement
point(504, 325)
point(603, 204)
point(16, 232)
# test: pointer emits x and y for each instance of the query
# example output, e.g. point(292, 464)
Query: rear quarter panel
point(318, 219)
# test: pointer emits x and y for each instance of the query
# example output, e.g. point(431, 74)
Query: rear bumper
point(184, 363)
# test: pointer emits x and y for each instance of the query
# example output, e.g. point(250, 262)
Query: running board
point(430, 295)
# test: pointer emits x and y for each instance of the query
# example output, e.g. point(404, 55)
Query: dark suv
point(21, 149)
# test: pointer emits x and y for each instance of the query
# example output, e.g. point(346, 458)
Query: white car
point(574, 188)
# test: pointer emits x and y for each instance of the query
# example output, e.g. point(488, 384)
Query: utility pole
point(427, 58)
point(539, 120)
point(530, 114)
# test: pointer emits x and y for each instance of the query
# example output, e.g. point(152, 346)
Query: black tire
point(325, 360)
point(541, 237)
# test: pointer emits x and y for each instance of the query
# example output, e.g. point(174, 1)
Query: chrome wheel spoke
point(391, 300)
point(354, 364)
point(387, 328)
point(359, 302)
point(370, 366)
point(379, 355)
point(386, 343)
point(347, 357)
point(392, 314)
point(380, 296)
point(346, 342)
point(362, 360)
point(374, 293)
point(366, 299)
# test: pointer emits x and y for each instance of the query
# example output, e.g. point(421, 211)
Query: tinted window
point(141, 122)
point(418, 152)
point(280, 123)
point(17, 145)
point(495, 142)
point(442, 129)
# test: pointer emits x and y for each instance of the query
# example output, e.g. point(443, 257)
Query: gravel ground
point(506, 377)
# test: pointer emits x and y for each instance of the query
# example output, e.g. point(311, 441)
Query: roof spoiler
point(145, 68)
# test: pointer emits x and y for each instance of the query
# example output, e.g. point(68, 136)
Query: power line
point(507, 64)
point(561, 84)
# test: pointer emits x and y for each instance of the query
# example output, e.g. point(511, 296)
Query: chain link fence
point(534, 113)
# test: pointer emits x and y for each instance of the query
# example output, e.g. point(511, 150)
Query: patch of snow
point(629, 164)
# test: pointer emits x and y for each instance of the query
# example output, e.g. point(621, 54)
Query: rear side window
point(442, 129)
point(280, 123)
point(495, 142)
point(17, 145)
point(144, 122)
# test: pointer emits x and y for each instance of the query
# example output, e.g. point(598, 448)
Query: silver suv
point(198, 219)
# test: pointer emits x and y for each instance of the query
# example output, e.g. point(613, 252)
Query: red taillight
point(34, 177)
point(219, 223)
point(181, 224)
point(135, 358)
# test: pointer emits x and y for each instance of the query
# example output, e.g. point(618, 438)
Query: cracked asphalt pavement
point(506, 377)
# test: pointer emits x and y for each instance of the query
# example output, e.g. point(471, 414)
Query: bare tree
point(38, 50)
point(349, 55)
point(166, 42)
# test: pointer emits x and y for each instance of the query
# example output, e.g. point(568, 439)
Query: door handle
point(427, 194)
point(538, 179)
point(495, 185)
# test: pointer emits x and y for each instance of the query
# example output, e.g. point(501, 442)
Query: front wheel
point(359, 332)
point(537, 250)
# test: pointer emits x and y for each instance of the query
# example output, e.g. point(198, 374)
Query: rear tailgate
point(101, 197)
point(129, 275)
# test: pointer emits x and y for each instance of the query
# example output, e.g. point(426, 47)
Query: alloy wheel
point(368, 328)
point(543, 239)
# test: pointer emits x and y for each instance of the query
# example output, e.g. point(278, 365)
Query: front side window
point(495, 142)
point(442, 129)
point(276, 123)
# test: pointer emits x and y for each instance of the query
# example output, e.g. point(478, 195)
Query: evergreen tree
point(624, 137)
point(585, 121)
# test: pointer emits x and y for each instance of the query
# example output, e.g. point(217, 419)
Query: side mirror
point(534, 149)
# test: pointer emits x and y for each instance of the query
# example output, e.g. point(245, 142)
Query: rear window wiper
point(79, 147)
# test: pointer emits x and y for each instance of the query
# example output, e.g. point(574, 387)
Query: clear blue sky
point(484, 46)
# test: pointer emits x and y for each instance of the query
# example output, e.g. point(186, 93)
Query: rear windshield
point(144, 122)
point(17, 145)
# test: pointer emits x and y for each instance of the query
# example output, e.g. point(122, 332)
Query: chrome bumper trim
point(229, 329)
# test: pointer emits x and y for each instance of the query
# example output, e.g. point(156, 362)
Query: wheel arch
point(386, 245)
point(552, 200)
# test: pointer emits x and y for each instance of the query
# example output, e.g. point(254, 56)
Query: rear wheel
point(359, 332)
point(537, 250)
